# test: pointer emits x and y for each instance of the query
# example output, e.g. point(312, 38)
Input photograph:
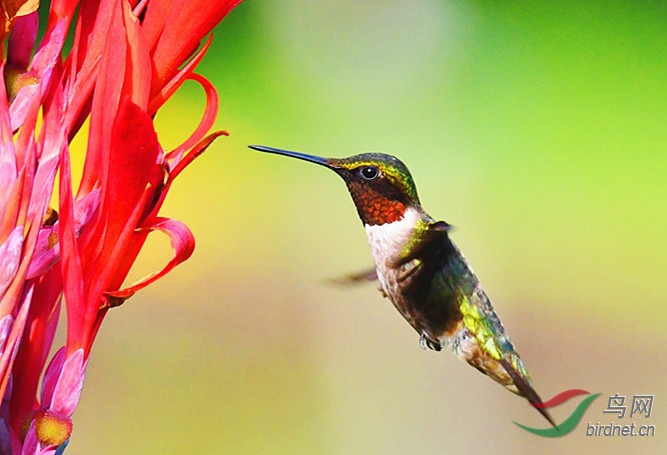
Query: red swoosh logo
point(560, 398)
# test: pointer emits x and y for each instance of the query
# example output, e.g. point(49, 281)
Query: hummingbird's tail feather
point(526, 389)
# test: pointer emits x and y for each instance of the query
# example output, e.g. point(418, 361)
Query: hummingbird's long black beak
point(302, 156)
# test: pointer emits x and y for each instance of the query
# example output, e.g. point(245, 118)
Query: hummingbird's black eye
point(369, 172)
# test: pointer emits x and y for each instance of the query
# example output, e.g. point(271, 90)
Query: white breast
point(387, 242)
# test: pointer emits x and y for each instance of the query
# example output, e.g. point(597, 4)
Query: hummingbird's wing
point(363, 276)
point(449, 307)
point(351, 279)
point(427, 300)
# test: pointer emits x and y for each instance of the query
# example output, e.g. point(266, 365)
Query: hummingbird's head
point(381, 185)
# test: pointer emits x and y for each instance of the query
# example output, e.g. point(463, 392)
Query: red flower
point(125, 62)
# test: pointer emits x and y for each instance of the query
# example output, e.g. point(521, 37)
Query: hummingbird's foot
point(381, 289)
point(422, 341)
point(427, 343)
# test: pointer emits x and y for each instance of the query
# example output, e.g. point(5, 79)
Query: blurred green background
point(537, 129)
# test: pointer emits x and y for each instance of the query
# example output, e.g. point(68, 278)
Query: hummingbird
point(423, 273)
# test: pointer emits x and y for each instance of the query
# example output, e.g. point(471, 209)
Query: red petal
point(194, 153)
point(206, 123)
point(22, 40)
point(174, 30)
point(72, 273)
point(172, 85)
point(10, 257)
point(106, 98)
point(139, 60)
point(83, 62)
point(8, 353)
point(42, 66)
point(68, 387)
point(135, 167)
point(134, 181)
point(47, 252)
point(183, 243)
point(62, 9)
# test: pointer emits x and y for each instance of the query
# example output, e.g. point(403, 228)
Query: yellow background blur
point(537, 129)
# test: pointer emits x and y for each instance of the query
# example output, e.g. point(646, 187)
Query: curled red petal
point(206, 123)
point(183, 243)
point(184, 74)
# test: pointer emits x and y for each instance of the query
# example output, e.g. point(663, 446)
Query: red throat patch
point(374, 208)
